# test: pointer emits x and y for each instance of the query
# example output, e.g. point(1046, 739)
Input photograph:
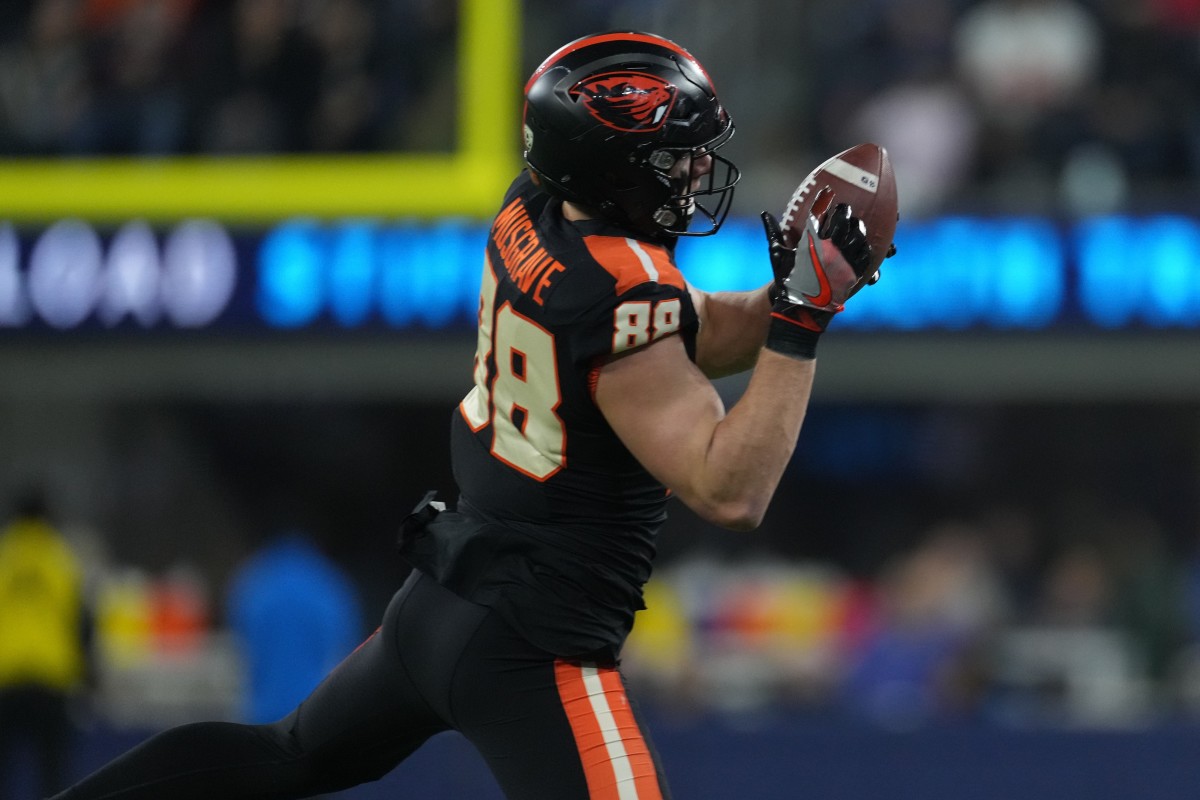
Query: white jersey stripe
point(626, 785)
point(644, 257)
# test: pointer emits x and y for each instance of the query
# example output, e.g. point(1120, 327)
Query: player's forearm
point(724, 465)
point(752, 445)
point(733, 327)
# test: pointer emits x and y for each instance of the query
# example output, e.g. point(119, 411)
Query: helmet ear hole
point(662, 159)
point(666, 217)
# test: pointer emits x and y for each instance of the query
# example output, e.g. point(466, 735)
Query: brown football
point(862, 177)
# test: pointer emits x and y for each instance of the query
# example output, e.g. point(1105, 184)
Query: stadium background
point(238, 256)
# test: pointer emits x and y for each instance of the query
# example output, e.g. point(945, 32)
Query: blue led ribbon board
point(951, 274)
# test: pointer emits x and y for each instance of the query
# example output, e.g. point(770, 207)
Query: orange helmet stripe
point(644, 38)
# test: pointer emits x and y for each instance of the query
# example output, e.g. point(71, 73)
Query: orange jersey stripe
point(633, 263)
point(616, 760)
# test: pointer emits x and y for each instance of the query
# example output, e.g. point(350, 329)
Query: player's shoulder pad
point(632, 262)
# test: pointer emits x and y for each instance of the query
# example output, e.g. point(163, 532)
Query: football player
point(592, 406)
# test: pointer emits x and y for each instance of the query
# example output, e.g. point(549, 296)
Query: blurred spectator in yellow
point(44, 651)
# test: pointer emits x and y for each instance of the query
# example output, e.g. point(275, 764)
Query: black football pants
point(549, 728)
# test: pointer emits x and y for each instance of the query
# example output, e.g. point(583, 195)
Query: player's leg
point(363, 719)
point(375, 710)
point(550, 727)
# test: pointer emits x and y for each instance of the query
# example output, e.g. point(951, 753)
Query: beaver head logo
point(627, 100)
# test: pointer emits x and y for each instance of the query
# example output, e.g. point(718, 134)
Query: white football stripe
point(644, 257)
point(622, 770)
point(852, 174)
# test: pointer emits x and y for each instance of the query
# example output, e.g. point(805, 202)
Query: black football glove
point(829, 264)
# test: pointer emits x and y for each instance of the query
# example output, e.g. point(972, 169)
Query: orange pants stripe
point(615, 757)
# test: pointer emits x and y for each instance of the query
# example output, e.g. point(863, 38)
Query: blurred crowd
point(1088, 616)
point(87, 640)
point(1017, 106)
point(167, 77)
point(1039, 105)
point(1000, 618)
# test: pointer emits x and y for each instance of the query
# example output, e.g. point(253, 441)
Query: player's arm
point(733, 328)
point(726, 466)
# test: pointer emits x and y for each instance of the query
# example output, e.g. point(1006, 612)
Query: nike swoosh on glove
point(826, 268)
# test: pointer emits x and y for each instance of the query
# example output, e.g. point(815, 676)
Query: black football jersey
point(567, 515)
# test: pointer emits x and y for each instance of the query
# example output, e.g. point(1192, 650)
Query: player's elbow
point(744, 523)
point(735, 514)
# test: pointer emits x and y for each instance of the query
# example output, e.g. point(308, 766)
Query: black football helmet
point(615, 122)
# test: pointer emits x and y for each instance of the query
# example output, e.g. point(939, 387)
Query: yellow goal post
point(264, 189)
